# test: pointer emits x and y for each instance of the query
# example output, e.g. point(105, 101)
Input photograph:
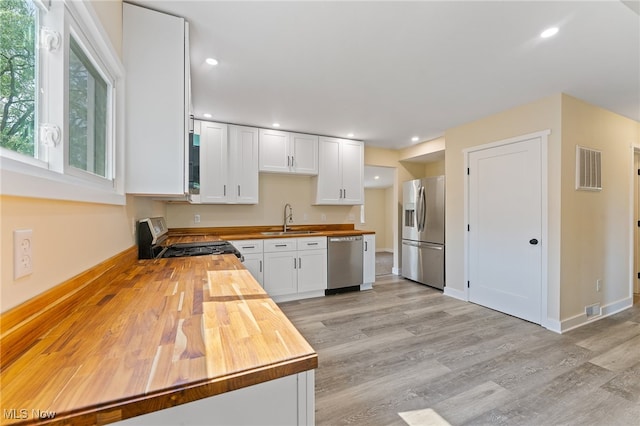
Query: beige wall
point(68, 237)
point(110, 14)
point(387, 244)
point(275, 191)
point(375, 213)
point(589, 233)
point(378, 210)
point(404, 171)
point(533, 117)
point(434, 168)
point(596, 229)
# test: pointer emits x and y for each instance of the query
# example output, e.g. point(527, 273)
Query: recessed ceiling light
point(549, 32)
point(211, 61)
point(415, 139)
point(206, 115)
point(350, 135)
point(276, 124)
point(376, 177)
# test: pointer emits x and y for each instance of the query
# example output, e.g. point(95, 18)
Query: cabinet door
point(352, 172)
point(280, 273)
point(243, 146)
point(213, 163)
point(155, 101)
point(329, 180)
point(274, 151)
point(304, 154)
point(369, 260)
point(254, 264)
point(312, 270)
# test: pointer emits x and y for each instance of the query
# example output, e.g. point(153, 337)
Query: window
point(87, 114)
point(62, 103)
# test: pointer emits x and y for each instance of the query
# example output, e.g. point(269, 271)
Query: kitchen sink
point(289, 233)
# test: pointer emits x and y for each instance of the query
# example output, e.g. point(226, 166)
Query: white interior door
point(505, 228)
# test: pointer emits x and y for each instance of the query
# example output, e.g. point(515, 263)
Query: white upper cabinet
point(228, 164)
point(243, 160)
point(304, 154)
point(214, 176)
point(340, 177)
point(156, 100)
point(284, 152)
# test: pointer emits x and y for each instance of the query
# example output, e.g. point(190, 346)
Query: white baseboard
point(581, 319)
point(455, 293)
point(396, 271)
point(366, 286)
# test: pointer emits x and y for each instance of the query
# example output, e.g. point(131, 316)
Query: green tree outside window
point(18, 75)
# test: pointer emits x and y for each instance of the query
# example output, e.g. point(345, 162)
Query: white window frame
point(50, 176)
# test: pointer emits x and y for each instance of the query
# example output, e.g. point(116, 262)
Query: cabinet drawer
point(248, 246)
point(312, 243)
point(279, 244)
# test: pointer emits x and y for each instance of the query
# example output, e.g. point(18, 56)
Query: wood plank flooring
point(404, 347)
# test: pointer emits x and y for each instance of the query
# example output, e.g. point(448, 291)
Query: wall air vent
point(588, 169)
point(593, 310)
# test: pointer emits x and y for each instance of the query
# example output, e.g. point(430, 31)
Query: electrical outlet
point(351, 218)
point(305, 217)
point(22, 253)
point(598, 285)
point(323, 217)
point(196, 218)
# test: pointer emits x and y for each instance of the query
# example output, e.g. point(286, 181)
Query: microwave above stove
point(152, 233)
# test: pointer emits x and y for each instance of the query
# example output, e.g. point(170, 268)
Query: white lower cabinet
point(253, 258)
point(280, 273)
point(288, 400)
point(369, 261)
point(295, 268)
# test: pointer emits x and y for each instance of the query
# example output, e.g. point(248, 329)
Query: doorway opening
point(377, 213)
point(636, 232)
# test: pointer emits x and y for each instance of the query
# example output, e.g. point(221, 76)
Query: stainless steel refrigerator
point(423, 231)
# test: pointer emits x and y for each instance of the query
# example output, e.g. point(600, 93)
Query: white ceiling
point(379, 177)
point(388, 71)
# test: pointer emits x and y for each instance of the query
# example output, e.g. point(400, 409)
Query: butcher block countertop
point(163, 333)
point(257, 232)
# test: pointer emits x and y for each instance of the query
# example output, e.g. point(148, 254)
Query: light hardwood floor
point(403, 346)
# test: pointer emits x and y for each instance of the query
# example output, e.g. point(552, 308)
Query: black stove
point(200, 249)
point(152, 233)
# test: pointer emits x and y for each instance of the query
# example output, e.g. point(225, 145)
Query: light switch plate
point(22, 253)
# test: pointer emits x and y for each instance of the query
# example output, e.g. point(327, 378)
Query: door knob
point(533, 241)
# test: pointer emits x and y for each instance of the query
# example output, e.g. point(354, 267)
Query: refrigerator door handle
point(419, 206)
point(424, 209)
point(429, 246)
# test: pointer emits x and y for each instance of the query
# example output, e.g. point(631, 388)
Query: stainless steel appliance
point(344, 263)
point(152, 233)
point(423, 231)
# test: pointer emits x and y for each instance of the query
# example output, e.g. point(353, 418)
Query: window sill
point(26, 180)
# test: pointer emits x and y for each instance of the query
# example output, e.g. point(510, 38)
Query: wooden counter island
point(164, 333)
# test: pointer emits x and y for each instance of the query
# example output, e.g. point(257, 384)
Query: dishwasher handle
point(345, 239)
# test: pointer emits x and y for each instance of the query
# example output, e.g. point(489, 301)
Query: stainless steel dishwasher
point(344, 263)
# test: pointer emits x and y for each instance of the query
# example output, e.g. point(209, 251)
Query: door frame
point(544, 192)
point(635, 211)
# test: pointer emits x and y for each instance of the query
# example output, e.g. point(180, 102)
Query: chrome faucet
point(289, 217)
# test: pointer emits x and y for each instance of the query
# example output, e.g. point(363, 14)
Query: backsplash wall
point(275, 191)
